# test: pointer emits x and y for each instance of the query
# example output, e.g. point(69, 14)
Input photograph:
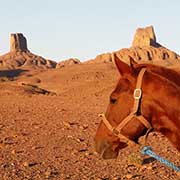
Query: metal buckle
point(115, 132)
point(100, 115)
point(137, 93)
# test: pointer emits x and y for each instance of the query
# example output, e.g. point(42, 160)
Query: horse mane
point(171, 78)
point(167, 73)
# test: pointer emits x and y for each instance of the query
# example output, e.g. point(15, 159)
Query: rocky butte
point(144, 49)
point(18, 42)
point(21, 57)
point(145, 37)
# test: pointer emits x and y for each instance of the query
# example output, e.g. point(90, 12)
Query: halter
point(137, 96)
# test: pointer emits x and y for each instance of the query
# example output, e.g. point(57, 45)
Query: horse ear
point(122, 67)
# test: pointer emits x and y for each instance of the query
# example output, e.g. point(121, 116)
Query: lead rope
point(147, 150)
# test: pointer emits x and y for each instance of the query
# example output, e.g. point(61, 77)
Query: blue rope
point(146, 150)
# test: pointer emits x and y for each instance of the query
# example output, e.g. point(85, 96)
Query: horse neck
point(164, 107)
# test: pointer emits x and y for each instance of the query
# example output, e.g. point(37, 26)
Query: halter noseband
point(137, 96)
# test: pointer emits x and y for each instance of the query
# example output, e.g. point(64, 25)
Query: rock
point(129, 176)
point(149, 167)
point(26, 164)
point(66, 125)
point(51, 173)
point(154, 55)
point(102, 58)
point(47, 173)
point(80, 139)
point(20, 56)
point(13, 152)
point(146, 49)
point(33, 81)
point(145, 37)
point(68, 62)
point(12, 164)
point(34, 89)
point(18, 42)
point(31, 164)
point(84, 126)
point(82, 150)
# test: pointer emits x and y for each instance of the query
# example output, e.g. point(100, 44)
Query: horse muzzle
point(105, 150)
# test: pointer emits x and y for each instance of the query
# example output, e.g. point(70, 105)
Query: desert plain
point(49, 115)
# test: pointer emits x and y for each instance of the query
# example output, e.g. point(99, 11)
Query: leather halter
point(137, 96)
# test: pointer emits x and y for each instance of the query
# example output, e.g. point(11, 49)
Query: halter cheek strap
point(137, 96)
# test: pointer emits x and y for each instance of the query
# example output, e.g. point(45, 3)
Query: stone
point(129, 176)
point(160, 56)
point(106, 57)
point(145, 37)
point(68, 62)
point(144, 49)
point(18, 42)
point(20, 56)
point(101, 58)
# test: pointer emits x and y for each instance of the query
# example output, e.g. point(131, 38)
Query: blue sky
point(60, 29)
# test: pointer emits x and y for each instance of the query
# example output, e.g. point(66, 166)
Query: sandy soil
point(50, 136)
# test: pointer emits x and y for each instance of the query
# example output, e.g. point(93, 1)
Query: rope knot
point(145, 150)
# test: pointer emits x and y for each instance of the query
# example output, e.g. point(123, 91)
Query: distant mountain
point(144, 49)
point(20, 57)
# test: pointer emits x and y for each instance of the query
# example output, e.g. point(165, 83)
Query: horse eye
point(112, 100)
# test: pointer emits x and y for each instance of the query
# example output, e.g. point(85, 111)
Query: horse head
point(120, 115)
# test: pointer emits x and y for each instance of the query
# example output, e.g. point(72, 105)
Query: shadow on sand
point(11, 73)
point(148, 160)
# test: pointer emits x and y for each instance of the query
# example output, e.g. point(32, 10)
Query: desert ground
point(48, 120)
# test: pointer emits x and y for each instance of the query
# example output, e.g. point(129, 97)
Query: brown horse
point(147, 97)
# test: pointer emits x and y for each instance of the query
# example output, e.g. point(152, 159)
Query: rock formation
point(68, 62)
point(18, 42)
point(144, 49)
point(145, 37)
point(105, 58)
point(161, 55)
point(20, 57)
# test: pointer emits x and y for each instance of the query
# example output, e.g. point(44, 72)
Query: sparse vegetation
point(6, 79)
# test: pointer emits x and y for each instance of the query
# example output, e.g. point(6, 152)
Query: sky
point(62, 29)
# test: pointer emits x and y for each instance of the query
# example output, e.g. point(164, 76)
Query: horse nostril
point(101, 146)
point(105, 150)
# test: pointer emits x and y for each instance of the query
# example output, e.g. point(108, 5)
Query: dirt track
point(51, 136)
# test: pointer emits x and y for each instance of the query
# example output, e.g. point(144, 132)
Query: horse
point(145, 99)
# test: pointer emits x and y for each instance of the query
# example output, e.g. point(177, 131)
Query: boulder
point(68, 62)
